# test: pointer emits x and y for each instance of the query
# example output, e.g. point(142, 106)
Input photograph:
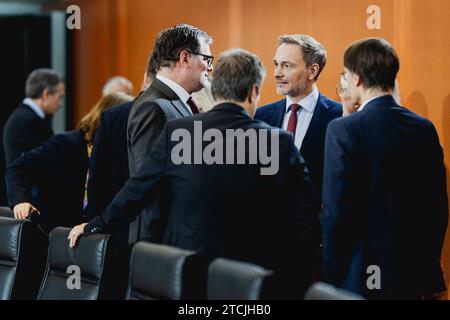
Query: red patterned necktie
point(292, 124)
point(193, 105)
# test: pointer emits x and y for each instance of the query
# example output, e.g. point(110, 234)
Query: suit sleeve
point(99, 170)
point(144, 128)
point(336, 216)
point(436, 224)
point(29, 170)
point(138, 192)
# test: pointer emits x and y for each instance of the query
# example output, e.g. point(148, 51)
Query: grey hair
point(113, 81)
point(41, 79)
point(236, 72)
point(313, 51)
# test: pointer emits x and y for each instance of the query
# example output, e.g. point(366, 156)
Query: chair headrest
point(325, 291)
point(88, 254)
point(6, 212)
point(157, 270)
point(228, 279)
point(10, 235)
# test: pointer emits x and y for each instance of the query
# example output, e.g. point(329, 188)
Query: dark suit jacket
point(226, 210)
point(58, 169)
point(313, 143)
point(150, 112)
point(24, 131)
point(384, 202)
point(108, 164)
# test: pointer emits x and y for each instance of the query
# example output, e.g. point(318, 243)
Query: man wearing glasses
point(385, 207)
point(183, 59)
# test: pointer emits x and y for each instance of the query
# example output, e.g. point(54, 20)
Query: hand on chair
point(75, 233)
point(23, 210)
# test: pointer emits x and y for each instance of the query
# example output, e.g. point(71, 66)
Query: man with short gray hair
point(29, 125)
point(220, 207)
point(118, 84)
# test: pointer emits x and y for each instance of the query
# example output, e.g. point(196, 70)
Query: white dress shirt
point(179, 90)
point(304, 115)
point(35, 107)
point(366, 102)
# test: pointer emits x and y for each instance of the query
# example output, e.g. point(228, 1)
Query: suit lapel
point(315, 126)
point(276, 118)
point(169, 94)
point(181, 108)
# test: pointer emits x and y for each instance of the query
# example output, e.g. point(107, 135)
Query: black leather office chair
point(23, 253)
point(165, 272)
point(234, 280)
point(325, 291)
point(94, 264)
point(6, 212)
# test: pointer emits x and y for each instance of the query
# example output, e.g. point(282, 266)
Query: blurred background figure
point(57, 169)
point(29, 125)
point(118, 84)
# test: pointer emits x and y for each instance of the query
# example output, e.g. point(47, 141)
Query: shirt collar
point(179, 90)
point(308, 103)
point(366, 102)
point(35, 107)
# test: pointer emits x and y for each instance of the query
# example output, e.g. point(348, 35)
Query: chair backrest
point(234, 280)
point(6, 212)
point(23, 253)
point(86, 272)
point(165, 272)
point(325, 291)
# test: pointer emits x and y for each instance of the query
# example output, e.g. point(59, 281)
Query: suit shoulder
point(70, 137)
point(118, 111)
point(332, 105)
point(269, 107)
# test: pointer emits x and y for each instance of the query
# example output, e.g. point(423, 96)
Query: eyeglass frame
point(205, 57)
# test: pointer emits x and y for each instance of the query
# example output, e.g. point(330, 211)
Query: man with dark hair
point(29, 125)
point(212, 209)
point(305, 112)
point(183, 59)
point(385, 205)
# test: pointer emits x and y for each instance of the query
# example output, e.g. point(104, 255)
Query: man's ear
point(253, 94)
point(184, 56)
point(314, 71)
point(45, 93)
point(356, 79)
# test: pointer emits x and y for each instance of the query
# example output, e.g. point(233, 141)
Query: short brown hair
point(89, 123)
point(375, 61)
point(313, 51)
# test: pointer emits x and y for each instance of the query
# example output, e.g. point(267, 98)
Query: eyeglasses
point(342, 86)
point(209, 59)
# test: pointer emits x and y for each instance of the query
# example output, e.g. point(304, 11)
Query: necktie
point(193, 105)
point(85, 198)
point(292, 124)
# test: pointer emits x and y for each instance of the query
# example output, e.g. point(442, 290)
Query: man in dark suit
point(216, 207)
point(305, 112)
point(29, 125)
point(183, 59)
point(385, 205)
point(58, 169)
point(108, 164)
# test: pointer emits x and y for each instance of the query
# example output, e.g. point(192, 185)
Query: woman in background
point(57, 171)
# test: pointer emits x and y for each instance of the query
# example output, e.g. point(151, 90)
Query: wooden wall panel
point(117, 36)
